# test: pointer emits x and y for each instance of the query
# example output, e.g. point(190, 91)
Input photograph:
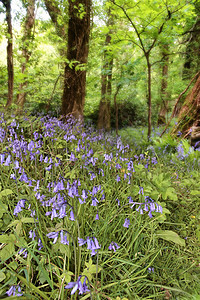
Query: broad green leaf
point(2, 276)
point(170, 193)
point(7, 251)
point(6, 192)
point(67, 275)
point(91, 269)
point(170, 236)
point(27, 220)
point(195, 192)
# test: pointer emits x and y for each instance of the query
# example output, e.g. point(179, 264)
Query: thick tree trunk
point(26, 52)
point(164, 83)
point(10, 68)
point(190, 112)
point(75, 70)
point(192, 58)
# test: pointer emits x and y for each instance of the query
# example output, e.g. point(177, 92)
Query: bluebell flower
point(141, 191)
point(2, 157)
point(32, 234)
point(72, 218)
point(151, 270)
point(23, 252)
point(78, 286)
point(63, 238)
point(94, 201)
point(118, 178)
point(19, 206)
point(92, 244)
point(8, 160)
point(81, 241)
point(14, 290)
point(53, 235)
point(40, 245)
point(126, 223)
point(113, 246)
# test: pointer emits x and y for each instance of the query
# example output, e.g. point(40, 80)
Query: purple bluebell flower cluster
point(92, 244)
point(148, 206)
point(78, 286)
point(87, 172)
point(14, 290)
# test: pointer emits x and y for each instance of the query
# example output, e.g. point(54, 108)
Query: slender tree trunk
point(149, 95)
point(26, 51)
point(106, 84)
point(106, 92)
point(78, 47)
point(10, 68)
point(116, 110)
point(164, 83)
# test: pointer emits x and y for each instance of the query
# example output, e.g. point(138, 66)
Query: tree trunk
point(106, 92)
point(190, 112)
point(106, 83)
point(26, 50)
point(164, 83)
point(10, 68)
point(149, 95)
point(75, 69)
point(192, 59)
point(116, 110)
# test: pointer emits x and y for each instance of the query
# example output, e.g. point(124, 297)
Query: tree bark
point(26, 51)
point(190, 111)
point(106, 83)
point(164, 83)
point(192, 58)
point(149, 94)
point(77, 54)
point(10, 68)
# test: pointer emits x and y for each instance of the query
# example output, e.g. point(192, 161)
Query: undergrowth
point(84, 216)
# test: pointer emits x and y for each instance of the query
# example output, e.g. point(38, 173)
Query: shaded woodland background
point(113, 63)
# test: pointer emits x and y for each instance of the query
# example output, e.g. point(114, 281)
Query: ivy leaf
point(170, 236)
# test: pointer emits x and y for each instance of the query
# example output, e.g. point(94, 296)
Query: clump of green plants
point(83, 216)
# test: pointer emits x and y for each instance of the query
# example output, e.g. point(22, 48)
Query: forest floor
point(87, 215)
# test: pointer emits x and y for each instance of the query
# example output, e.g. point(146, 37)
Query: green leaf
point(27, 220)
point(3, 209)
point(91, 269)
point(195, 192)
point(170, 193)
point(7, 251)
point(67, 275)
point(170, 236)
point(6, 192)
point(2, 276)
